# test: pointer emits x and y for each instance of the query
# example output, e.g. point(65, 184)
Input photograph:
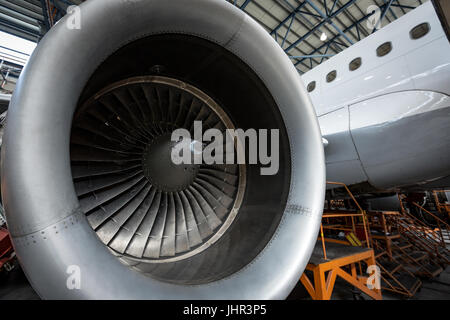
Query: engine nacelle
point(87, 183)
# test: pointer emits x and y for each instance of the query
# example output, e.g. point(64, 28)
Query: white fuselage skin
point(388, 122)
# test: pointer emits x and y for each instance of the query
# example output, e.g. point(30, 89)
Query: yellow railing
point(361, 213)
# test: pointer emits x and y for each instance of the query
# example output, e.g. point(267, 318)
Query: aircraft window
point(311, 86)
point(384, 49)
point(419, 31)
point(331, 76)
point(355, 64)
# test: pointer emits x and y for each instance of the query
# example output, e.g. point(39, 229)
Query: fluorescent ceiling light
point(14, 49)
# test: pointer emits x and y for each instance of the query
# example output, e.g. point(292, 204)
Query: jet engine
point(95, 206)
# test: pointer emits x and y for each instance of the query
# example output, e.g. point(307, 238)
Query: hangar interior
point(384, 231)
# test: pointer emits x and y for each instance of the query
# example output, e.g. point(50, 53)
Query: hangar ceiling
point(310, 31)
point(298, 25)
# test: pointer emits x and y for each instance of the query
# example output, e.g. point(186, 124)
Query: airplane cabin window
point(311, 86)
point(331, 76)
point(419, 31)
point(355, 64)
point(384, 49)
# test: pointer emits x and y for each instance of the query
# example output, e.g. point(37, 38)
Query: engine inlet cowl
point(86, 181)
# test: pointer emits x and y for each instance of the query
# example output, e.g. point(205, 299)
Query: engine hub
point(161, 171)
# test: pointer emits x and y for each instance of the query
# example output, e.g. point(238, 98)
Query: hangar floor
point(16, 287)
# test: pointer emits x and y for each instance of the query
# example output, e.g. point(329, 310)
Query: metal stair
point(422, 237)
point(394, 276)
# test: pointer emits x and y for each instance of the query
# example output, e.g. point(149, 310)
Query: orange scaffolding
point(341, 259)
point(326, 271)
point(443, 208)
